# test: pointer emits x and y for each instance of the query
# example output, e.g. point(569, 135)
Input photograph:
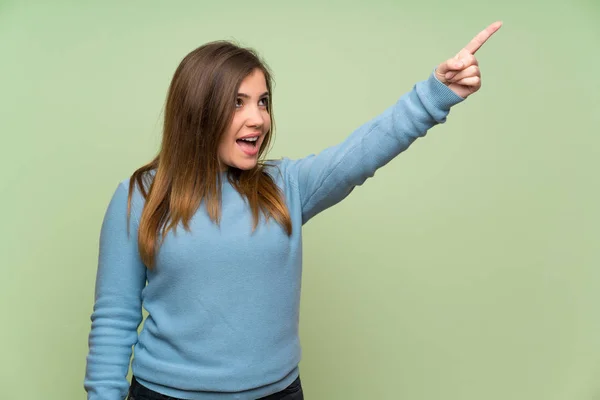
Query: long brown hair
point(199, 108)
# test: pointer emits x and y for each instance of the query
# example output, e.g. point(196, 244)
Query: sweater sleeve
point(117, 312)
point(327, 178)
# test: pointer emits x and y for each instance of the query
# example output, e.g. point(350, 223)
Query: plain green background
point(466, 269)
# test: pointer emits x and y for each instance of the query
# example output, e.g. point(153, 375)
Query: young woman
point(207, 236)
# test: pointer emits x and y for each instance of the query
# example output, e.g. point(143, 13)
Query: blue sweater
point(222, 303)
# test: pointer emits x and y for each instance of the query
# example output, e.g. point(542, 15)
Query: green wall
point(466, 269)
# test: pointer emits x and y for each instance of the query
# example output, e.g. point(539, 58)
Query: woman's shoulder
point(145, 178)
point(284, 171)
point(278, 169)
point(131, 185)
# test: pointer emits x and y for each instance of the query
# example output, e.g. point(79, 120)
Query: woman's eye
point(262, 102)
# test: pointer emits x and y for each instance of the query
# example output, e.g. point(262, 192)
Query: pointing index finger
point(482, 37)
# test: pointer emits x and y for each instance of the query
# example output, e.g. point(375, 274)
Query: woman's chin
point(245, 165)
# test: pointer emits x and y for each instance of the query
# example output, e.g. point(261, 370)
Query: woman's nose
point(255, 117)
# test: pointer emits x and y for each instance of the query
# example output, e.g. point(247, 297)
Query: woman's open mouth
point(249, 145)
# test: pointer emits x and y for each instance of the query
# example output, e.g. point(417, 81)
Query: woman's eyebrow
point(244, 95)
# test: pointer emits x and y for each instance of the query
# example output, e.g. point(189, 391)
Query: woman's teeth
point(252, 140)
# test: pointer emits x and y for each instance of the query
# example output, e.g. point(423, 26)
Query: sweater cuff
point(437, 97)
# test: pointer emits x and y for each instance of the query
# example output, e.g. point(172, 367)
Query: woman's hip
point(139, 392)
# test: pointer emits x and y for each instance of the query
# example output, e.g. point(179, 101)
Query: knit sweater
point(223, 301)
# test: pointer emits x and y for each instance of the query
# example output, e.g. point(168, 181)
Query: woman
point(207, 236)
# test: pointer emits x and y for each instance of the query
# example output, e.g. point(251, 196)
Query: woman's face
point(251, 121)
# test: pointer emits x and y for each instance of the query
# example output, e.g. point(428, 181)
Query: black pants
point(139, 392)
